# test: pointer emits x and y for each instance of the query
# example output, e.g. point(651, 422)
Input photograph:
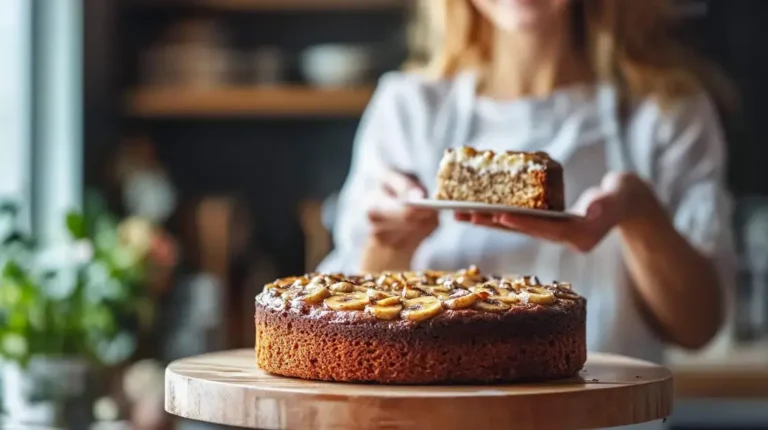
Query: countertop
point(723, 371)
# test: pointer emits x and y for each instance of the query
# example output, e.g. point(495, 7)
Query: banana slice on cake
point(408, 292)
point(342, 287)
point(287, 282)
point(421, 308)
point(375, 294)
point(492, 304)
point(389, 301)
point(313, 294)
point(384, 312)
point(484, 288)
point(509, 298)
point(441, 295)
point(461, 300)
point(446, 287)
point(274, 291)
point(537, 295)
point(498, 292)
point(347, 301)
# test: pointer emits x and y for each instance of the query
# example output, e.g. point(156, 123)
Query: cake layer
point(530, 180)
point(431, 327)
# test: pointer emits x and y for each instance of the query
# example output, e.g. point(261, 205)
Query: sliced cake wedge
point(521, 179)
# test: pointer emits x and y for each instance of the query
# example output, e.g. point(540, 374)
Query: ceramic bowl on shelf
point(335, 65)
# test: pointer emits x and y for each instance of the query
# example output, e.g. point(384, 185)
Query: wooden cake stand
point(228, 388)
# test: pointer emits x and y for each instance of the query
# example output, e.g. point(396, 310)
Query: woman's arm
point(679, 285)
point(397, 229)
point(382, 143)
point(680, 254)
point(378, 257)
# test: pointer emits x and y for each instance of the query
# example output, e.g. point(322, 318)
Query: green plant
point(78, 298)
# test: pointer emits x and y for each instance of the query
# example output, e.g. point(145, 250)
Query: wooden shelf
point(277, 5)
point(290, 101)
point(301, 4)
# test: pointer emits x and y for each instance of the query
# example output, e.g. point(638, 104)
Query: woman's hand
point(603, 208)
point(393, 224)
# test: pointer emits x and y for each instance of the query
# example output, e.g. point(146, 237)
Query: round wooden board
point(228, 388)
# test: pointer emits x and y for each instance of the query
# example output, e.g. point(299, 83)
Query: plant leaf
point(76, 225)
point(12, 270)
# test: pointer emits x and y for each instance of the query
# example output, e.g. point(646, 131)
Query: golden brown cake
point(420, 328)
point(523, 179)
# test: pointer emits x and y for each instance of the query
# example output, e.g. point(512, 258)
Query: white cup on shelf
point(335, 65)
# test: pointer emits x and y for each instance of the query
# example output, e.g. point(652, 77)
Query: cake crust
point(479, 343)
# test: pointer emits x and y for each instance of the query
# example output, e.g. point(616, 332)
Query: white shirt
point(411, 121)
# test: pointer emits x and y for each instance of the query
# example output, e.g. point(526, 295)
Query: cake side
point(529, 180)
point(539, 343)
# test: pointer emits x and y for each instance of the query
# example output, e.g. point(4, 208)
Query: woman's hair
point(626, 42)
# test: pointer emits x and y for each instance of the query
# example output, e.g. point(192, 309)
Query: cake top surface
point(503, 159)
point(413, 296)
point(470, 152)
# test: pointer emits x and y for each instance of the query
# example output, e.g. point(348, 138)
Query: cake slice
point(522, 179)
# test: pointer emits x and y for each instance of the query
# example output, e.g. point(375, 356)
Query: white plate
point(487, 208)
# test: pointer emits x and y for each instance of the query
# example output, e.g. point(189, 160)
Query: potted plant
point(69, 308)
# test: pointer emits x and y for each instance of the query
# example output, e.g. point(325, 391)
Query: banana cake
point(522, 179)
point(420, 328)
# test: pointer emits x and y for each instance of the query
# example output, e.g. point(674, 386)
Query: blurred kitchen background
point(208, 138)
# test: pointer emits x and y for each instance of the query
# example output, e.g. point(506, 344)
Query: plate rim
point(455, 205)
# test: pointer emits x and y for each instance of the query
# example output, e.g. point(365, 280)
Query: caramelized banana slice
point(483, 288)
point(421, 308)
point(446, 287)
point(384, 312)
point(492, 289)
point(509, 298)
point(433, 289)
point(313, 294)
point(275, 291)
point(466, 281)
point(347, 301)
point(408, 292)
point(537, 295)
point(375, 294)
point(286, 282)
point(441, 295)
point(492, 304)
point(472, 271)
point(342, 287)
point(389, 301)
point(461, 300)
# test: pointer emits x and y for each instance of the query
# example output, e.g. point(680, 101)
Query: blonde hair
point(626, 42)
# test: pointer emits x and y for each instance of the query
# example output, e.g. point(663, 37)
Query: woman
point(598, 85)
